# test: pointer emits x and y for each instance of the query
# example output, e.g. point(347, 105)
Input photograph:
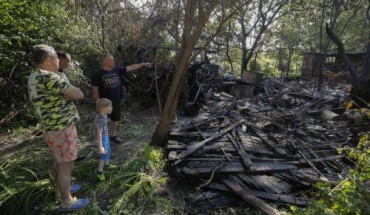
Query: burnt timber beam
point(240, 150)
point(236, 168)
point(288, 199)
point(270, 143)
point(250, 198)
point(193, 148)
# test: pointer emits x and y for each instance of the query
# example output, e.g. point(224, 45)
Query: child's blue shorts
point(106, 146)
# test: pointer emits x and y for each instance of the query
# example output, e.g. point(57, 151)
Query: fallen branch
point(212, 175)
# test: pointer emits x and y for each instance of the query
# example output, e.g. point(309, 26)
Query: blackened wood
point(233, 157)
point(270, 143)
point(182, 134)
point(270, 167)
point(210, 200)
point(226, 155)
point(207, 159)
point(190, 127)
point(198, 130)
point(191, 149)
point(292, 178)
point(315, 160)
point(250, 198)
point(261, 183)
point(237, 168)
point(300, 95)
point(240, 150)
point(300, 201)
point(313, 153)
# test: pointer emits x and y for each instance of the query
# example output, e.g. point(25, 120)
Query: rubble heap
point(267, 150)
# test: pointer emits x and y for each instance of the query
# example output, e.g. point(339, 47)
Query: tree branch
point(342, 54)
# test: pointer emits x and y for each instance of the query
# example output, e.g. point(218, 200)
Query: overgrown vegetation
point(27, 187)
point(153, 33)
point(352, 195)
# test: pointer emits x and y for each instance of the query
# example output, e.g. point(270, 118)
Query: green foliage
point(352, 195)
point(149, 159)
point(27, 187)
point(77, 78)
point(136, 180)
point(25, 23)
point(255, 66)
point(25, 183)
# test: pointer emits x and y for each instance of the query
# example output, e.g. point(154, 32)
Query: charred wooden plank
point(190, 127)
point(225, 154)
point(293, 146)
point(270, 143)
point(205, 159)
point(302, 161)
point(300, 95)
point(261, 182)
point(209, 200)
point(250, 198)
point(262, 152)
point(206, 171)
point(314, 154)
point(236, 159)
point(240, 150)
point(265, 195)
point(181, 134)
point(236, 168)
point(199, 131)
point(228, 147)
point(215, 145)
point(191, 149)
point(292, 178)
point(271, 167)
point(248, 139)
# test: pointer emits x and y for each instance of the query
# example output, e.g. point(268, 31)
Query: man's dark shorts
point(116, 112)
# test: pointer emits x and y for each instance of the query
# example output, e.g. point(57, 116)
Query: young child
point(104, 107)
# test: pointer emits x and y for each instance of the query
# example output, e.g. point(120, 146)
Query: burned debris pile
point(267, 150)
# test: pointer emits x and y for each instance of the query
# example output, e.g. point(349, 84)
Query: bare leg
point(101, 165)
point(64, 171)
point(55, 175)
point(113, 128)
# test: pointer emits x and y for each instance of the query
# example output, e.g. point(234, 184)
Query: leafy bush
point(24, 24)
point(352, 195)
point(255, 66)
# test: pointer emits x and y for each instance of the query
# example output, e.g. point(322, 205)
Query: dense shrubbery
point(352, 195)
point(24, 24)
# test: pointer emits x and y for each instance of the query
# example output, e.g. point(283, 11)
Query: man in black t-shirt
point(107, 83)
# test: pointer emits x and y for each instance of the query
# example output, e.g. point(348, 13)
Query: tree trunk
point(228, 47)
point(354, 74)
point(160, 136)
point(190, 37)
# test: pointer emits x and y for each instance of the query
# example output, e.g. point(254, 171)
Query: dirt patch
point(135, 128)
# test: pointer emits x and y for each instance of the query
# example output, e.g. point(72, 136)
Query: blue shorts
point(106, 146)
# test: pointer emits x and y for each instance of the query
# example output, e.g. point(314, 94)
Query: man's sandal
point(76, 204)
point(74, 188)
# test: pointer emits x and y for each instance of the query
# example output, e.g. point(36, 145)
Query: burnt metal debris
point(267, 150)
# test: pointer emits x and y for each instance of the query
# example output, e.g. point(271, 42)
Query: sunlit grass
point(27, 187)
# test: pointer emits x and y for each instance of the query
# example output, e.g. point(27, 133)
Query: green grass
point(26, 185)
